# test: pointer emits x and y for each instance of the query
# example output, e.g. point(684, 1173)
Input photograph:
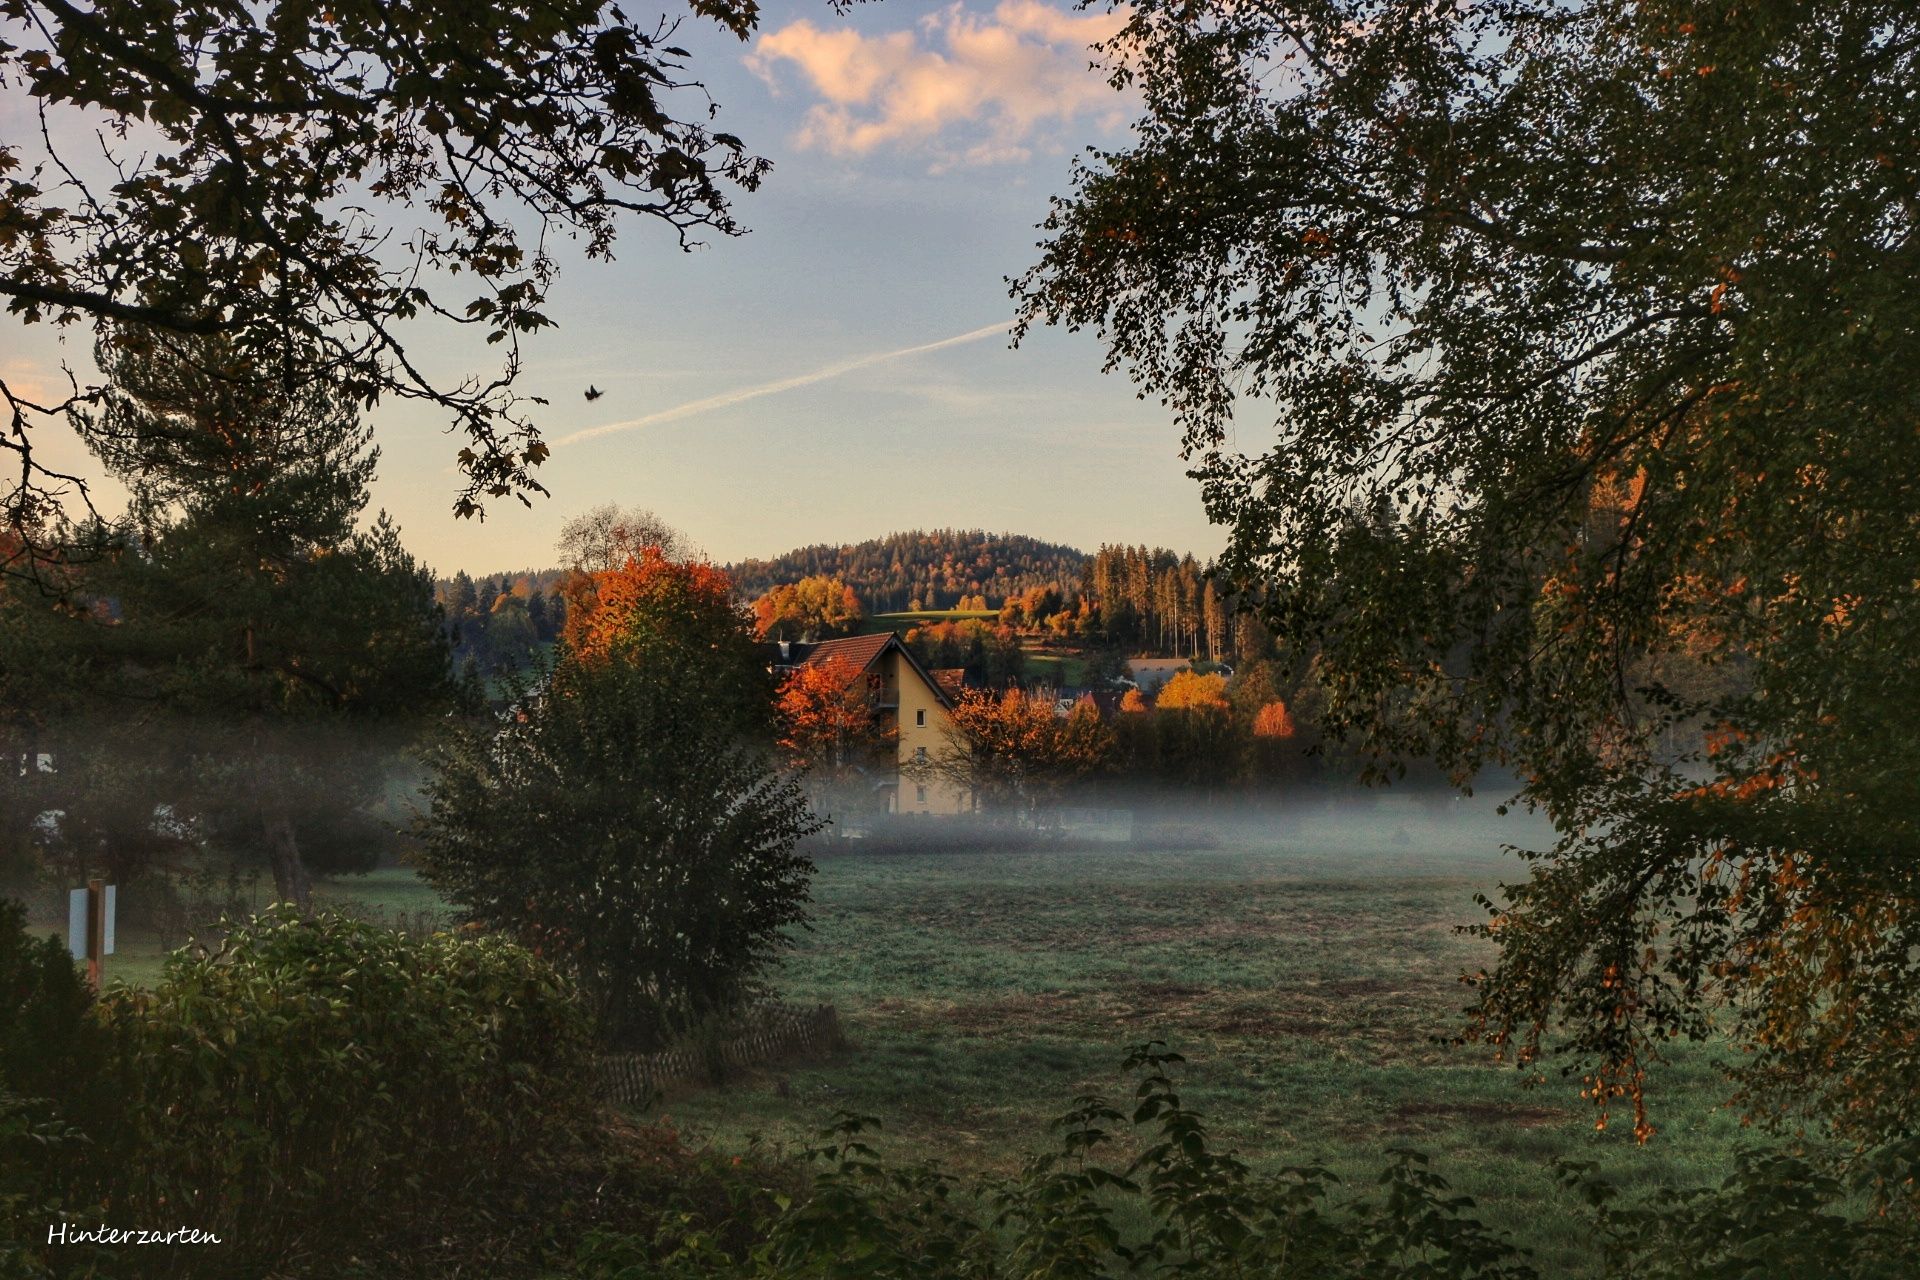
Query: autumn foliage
point(675, 615)
point(1189, 692)
point(1273, 721)
point(1016, 749)
point(647, 597)
point(809, 609)
point(824, 715)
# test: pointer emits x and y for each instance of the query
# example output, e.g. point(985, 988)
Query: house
point(913, 704)
point(1150, 673)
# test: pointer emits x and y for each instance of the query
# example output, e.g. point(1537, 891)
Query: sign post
point(90, 913)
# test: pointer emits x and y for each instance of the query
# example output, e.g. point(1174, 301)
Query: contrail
point(726, 398)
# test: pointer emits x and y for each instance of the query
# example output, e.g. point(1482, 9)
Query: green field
point(1306, 986)
point(1307, 967)
point(901, 623)
point(1057, 670)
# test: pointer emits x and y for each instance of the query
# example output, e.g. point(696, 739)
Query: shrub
point(1067, 1216)
point(33, 1149)
point(1776, 1215)
point(49, 1045)
point(1182, 1207)
point(315, 1085)
point(615, 821)
point(54, 1060)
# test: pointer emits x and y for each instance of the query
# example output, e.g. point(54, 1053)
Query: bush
point(49, 1043)
point(1068, 1216)
point(54, 1062)
point(314, 1087)
point(33, 1149)
point(615, 822)
point(1776, 1215)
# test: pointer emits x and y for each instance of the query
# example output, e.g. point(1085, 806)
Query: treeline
point(502, 621)
point(924, 569)
point(1159, 600)
point(1136, 598)
point(1139, 598)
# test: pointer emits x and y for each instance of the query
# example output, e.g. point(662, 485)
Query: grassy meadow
point(1310, 976)
point(1306, 964)
point(901, 623)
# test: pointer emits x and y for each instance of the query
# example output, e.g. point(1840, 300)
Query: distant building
point(1150, 673)
point(911, 701)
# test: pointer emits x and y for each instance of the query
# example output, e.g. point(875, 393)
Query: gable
point(860, 654)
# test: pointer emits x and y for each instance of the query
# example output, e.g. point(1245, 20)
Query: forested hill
point(935, 569)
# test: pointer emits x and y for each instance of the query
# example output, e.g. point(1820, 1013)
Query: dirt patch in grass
point(1265, 1022)
point(1164, 992)
point(1171, 1006)
point(1411, 1116)
point(1160, 935)
point(1030, 1013)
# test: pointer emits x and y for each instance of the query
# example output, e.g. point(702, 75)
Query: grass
point(901, 623)
point(1308, 971)
point(1311, 992)
point(1056, 670)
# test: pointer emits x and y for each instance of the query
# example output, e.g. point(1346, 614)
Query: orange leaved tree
point(679, 616)
point(1273, 721)
point(828, 730)
point(1014, 750)
point(1190, 692)
point(809, 609)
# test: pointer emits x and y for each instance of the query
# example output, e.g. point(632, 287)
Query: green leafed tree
point(616, 821)
point(1586, 337)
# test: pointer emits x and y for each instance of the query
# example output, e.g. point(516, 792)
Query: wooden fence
point(773, 1032)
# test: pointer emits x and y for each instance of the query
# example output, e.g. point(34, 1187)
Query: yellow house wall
point(916, 695)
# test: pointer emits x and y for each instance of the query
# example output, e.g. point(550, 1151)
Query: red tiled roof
point(952, 681)
point(861, 652)
point(857, 650)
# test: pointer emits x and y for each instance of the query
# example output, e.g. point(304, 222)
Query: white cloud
point(969, 88)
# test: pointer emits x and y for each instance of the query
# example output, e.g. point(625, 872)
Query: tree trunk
point(290, 880)
point(291, 883)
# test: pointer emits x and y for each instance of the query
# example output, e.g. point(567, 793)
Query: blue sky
point(914, 148)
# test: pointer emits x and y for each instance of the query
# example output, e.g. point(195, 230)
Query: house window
point(920, 716)
point(920, 794)
point(920, 753)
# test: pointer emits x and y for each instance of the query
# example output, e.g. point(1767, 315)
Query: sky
point(843, 371)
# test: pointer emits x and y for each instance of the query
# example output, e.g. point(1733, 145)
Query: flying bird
point(594, 393)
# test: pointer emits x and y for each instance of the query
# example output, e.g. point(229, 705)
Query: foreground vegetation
point(1303, 979)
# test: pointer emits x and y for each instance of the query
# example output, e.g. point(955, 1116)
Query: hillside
point(933, 569)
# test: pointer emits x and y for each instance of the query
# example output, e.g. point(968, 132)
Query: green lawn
point(1306, 986)
point(1058, 670)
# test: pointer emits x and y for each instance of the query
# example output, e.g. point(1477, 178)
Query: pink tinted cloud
point(969, 87)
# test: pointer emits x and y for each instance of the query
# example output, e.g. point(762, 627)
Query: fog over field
point(1420, 827)
point(1303, 953)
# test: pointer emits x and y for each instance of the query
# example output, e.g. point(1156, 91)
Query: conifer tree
point(286, 648)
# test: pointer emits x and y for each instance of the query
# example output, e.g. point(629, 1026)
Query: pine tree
point(249, 612)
